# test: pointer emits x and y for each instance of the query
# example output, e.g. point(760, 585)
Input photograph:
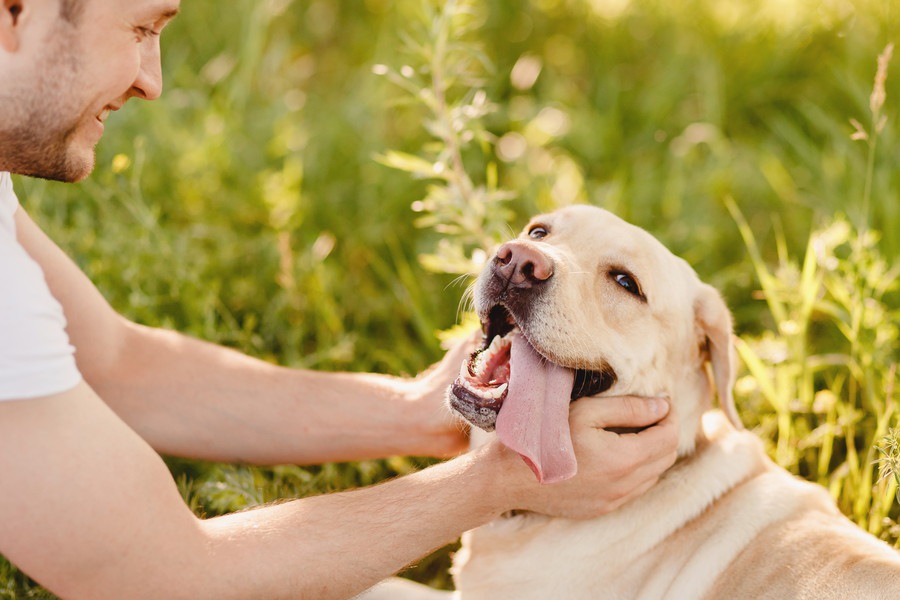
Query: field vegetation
point(319, 177)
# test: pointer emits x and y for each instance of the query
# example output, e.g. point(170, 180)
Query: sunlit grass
point(247, 206)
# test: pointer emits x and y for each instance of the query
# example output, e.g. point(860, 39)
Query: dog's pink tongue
point(534, 418)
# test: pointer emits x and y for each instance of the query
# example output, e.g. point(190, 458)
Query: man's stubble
point(36, 134)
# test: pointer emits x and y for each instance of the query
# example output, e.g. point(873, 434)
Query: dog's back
point(816, 554)
point(724, 523)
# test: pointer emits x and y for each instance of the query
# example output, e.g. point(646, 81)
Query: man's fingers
point(462, 348)
point(457, 352)
point(659, 441)
point(620, 411)
point(645, 473)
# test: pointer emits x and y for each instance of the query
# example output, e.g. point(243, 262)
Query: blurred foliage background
point(255, 203)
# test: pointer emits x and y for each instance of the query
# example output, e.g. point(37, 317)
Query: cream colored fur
point(724, 522)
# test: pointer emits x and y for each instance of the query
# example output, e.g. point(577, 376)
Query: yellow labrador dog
point(585, 304)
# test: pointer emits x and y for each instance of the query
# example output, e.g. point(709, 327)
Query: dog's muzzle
point(508, 363)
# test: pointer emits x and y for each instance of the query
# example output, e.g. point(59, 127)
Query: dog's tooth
point(498, 391)
point(496, 346)
point(469, 385)
point(464, 371)
point(482, 392)
point(499, 344)
point(479, 364)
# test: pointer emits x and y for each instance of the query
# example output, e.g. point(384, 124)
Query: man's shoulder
point(36, 357)
point(22, 281)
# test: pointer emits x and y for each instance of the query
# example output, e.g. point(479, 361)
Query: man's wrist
point(500, 473)
point(445, 435)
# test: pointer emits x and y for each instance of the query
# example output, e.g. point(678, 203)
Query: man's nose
point(149, 83)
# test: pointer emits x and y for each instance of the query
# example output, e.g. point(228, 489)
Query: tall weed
point(821, 385)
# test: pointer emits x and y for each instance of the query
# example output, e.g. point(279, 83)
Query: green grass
point(256, 205)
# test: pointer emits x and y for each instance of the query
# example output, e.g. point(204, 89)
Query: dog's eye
point(538, 232)
point(627, 281)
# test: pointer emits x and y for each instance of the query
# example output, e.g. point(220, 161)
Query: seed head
point(876, 100)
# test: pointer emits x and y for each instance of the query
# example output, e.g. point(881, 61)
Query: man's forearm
point(360, 537)
point(195, 399)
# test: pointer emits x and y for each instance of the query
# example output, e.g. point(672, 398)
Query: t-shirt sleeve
point(8, 205)
point(36, 358)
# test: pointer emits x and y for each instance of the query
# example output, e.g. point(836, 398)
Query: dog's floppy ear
point(714, 324)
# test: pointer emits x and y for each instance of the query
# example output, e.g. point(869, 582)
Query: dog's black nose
point(522, 265)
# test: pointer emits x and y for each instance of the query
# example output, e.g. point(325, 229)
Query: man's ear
point(714, 324)
point(10, 21)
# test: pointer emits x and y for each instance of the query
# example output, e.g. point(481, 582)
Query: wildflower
point(120, 163)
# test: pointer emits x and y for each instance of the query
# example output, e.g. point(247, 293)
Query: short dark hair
point(70, 10)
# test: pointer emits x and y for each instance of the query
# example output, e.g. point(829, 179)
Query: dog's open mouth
point(510, 386)
point(483, 381)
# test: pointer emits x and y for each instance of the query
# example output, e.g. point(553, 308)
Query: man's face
point(70, 75)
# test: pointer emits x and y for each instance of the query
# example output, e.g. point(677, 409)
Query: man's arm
point(195, 399)
point(90, 511)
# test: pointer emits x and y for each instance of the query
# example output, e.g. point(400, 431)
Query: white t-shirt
point(36, 358)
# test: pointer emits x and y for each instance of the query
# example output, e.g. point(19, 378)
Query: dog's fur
point(725, 521)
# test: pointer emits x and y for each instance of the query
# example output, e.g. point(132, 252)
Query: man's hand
point(612, 468)
point(428, 392)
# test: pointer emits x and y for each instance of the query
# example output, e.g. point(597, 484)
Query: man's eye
point(627, 281)
point(538, 232)
point(146, 32)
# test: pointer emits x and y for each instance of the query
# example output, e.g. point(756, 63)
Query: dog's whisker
point(458, 280)
point(466, 302)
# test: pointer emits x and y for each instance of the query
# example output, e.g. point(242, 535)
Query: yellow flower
point(120, 163)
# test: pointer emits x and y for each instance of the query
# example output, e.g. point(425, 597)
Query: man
point(87, 506)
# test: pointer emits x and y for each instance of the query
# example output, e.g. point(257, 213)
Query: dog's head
point(580, 304)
